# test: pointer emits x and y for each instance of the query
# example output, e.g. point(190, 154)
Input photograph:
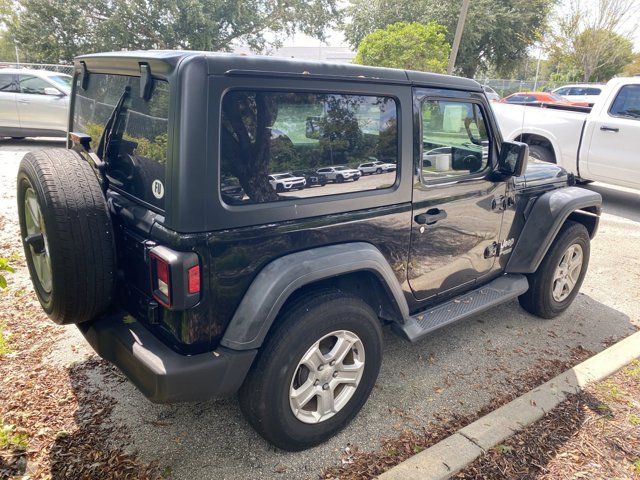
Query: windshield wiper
point(109, 129)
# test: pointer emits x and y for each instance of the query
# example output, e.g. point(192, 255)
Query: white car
point(376, 166)
point(585, 92)
point(33, 102)
point(284, 182)
point(601, 145)
point(339, 173)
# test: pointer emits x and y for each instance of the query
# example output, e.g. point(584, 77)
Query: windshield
point(62, 81)
point(137, 154)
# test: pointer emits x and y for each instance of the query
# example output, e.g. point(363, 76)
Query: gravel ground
point(459, 369)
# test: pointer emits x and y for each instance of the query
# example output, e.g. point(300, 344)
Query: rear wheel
point(541, 153)
point(315, 371)
point(67, 235)
point(339, 179)
point(553, 287)
point(378, 170)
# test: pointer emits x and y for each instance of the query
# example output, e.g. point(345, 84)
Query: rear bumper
point(161, 374)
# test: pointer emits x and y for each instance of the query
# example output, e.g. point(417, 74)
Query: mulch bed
point(359, 465)
point(53, 423)
point(592, 435)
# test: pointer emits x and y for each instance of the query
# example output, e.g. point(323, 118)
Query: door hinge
point(499, 203)
point(492, 250)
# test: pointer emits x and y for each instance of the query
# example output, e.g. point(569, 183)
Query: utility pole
point(456, 39)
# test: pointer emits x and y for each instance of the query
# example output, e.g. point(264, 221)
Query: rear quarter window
point(269, 133)
point(137, 158)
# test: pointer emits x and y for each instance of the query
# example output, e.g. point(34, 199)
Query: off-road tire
point(541, 153)
point(79, 234)
point(539, 300)
point(264, 396)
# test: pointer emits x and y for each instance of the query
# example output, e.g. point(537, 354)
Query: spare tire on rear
point(67, 235)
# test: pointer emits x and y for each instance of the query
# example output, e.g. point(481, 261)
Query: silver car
point(33, 103)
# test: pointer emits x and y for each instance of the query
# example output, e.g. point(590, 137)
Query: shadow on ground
point(623, 203)
point(28, 144)
point(459, 369)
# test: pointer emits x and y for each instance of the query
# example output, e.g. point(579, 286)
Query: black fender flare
point(281, 277)
point(543, 221)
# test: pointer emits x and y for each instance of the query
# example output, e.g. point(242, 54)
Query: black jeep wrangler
point(159, 234)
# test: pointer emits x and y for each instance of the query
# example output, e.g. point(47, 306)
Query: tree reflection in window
point(265, 133)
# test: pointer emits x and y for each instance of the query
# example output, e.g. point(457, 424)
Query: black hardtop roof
point(164, 61)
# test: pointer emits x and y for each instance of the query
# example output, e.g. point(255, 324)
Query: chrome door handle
point(604, 128)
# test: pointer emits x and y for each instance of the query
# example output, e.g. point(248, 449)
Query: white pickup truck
point(601, 144)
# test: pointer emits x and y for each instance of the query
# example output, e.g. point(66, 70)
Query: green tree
point(633, 67)
point(497, 33)
point(58, 30)
point(413, 46)
point(589, 43)
point(601, 54)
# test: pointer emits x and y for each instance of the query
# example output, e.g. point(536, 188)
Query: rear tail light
point(175, 277)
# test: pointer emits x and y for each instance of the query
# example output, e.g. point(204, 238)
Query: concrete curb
point(454, 453)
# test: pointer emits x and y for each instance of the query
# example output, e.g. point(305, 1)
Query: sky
point(336, 38)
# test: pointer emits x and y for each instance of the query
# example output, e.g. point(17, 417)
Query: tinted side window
point(7, 84)
point(275, 133)
point(454, 139)
point(32, 85)
point(592, 91)
point(137, 156)
point(563, 91)
point(627, 102)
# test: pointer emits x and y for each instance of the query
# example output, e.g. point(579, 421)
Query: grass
point(11, 440)
point(634, 369)
point(4, 344)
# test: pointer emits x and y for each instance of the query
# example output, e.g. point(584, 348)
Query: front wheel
point(553, 287)
point(315, 371)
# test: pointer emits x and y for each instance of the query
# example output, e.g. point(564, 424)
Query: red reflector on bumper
point(194, 279)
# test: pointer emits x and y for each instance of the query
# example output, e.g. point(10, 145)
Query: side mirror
point(54, 92)
point(513, 158)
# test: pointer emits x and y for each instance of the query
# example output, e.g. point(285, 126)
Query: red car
point(540, 97)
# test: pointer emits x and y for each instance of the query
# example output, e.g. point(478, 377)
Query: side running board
point(498, 291)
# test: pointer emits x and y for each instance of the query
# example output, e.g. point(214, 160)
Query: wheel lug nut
point(325, 386)
point(335, 374)
point(316, 383)
point(320, 367)
point(333, 363)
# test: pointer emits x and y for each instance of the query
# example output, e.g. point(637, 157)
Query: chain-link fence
point(68, 69)
point(507, 87)
point(504, 87)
